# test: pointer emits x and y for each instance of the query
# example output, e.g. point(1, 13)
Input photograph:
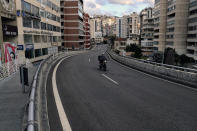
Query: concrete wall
point(182, 77)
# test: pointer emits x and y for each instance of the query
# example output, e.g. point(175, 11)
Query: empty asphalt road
point(120, 99)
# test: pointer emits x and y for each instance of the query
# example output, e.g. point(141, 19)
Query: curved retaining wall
point(183, 77)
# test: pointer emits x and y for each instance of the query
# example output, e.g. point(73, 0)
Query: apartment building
point(39, 33)
point(92, 28)
point(121, 27)
point(87, 30)
point(171, 18)
point(146, 31)
point(192, 30)
point(72, 24)
point(8, 31)
point(160, 17)
point(96, 29)
point(133, 24)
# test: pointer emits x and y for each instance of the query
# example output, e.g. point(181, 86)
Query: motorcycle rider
point(102, 59)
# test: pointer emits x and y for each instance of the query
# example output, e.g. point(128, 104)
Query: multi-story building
point(87, 30)
point(192, 30)
point(96, 29)
point(177, 23)
point(146, 31)
point(121, 27)
point(72, 24)
point(171, 18)
point(98, 24)
point(159, 28)
point(39, 33)
point(133, 25)
point(92, 28)
point(8, 31)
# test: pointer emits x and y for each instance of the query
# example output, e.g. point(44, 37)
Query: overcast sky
point(115, 7)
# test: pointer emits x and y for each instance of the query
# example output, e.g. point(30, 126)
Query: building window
point(44, 38)
point(193, 20)
point(54, 38)
point(169, 23)
point(170, 29)
point(43, 26)
point(169, 36)
point(50, 39)
point(29, 54)
point(38, 52)
point(42, 13)
point(54, 28)
point(49, 27)
point(36, 24)
point(49, 4)
point(59, 39)
point(45, 51)
point(35, 10)
point(26, 6)
point(171, 43)
point(37, 39)
point(27, 22)
point(28, 39)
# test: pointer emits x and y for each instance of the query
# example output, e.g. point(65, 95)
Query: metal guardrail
point(30, 121)
point(159, 64)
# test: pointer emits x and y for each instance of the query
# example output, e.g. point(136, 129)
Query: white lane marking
point(89, 59)
point(110, 79)
point(62, 115)
point(153, 76)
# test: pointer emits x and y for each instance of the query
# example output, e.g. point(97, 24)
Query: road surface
point(120, 99)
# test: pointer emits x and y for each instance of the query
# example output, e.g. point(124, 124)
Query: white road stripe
point(110, 79)
point(153, 76)
point(62, 115)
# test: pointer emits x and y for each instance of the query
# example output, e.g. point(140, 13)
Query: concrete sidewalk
point(13, 101)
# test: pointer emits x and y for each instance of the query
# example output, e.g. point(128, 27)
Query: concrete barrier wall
point(183, 77)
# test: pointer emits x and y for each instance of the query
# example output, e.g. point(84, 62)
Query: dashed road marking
point(110, 79)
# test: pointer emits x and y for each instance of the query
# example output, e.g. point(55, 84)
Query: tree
point(176, 58)
point(112, 40)
point(157, 57)
point(169, 56)
point(184, 60)
point(138, 52)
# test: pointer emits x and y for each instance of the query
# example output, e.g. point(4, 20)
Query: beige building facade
point(146, 31)
point(170, 19)
point(133, 24)
point(8, 28)
point(192, 30)
point(39, 28)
